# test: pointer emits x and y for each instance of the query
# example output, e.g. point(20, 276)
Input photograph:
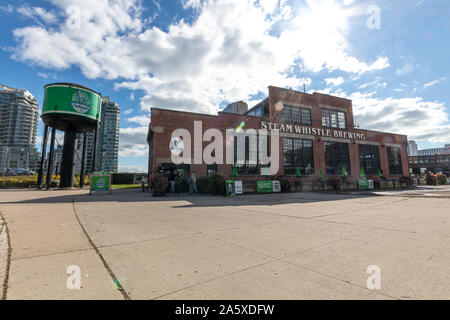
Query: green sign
point(264, 186)
point(365, 184)
point(229, 185)
point(73, 100)
point(100, 182)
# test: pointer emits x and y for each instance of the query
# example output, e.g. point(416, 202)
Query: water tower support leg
point(68, 159)
point(50, 159)
point(94, 153)
point(41, 166)
point(83, 160)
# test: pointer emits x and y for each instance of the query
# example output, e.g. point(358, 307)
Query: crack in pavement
point(105, 264)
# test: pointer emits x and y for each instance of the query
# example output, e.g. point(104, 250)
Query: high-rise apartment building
point(107, 156)
point(412, 148)
point(18, 125)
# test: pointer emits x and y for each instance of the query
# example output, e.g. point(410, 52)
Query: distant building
point(107, 157)
point(239, 107)
point(435, 151)
point(19, 119)
point(412, 148)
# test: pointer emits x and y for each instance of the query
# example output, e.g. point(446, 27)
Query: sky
point(391, 58)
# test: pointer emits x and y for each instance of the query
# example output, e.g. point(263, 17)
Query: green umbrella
point(379, 173)
point(344, 172)
point(362, 173)
point(298, 174)
point(234, 172)
point(320, 174)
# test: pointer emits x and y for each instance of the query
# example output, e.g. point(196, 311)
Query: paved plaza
point(275, 246)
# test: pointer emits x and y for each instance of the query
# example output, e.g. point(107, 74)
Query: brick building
point(316, 137)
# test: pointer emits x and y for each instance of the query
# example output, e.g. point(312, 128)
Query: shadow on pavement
point(179, 201)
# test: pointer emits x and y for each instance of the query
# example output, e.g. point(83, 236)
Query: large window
point(247, 167)
point(296, 114)
point(298, 153)
point(336, 158)
point(261, 110)
point(333, 119)
point(394, 160)
point(369, 158)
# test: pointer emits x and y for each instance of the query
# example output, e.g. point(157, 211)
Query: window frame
point(338, 157)
point(366, 156)
point(327, 116)
point(300, 155)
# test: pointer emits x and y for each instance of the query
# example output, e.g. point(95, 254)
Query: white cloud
point(37, 13)
point(335, 81)
point(137, 169)
point(229, 52)
point(141, 120)
point(406, 69)
point(131, 96)
point(434, 82)
point(128, 111)
point(375, 83)
point(414, 117)
point(133, 142)
point(8, 8)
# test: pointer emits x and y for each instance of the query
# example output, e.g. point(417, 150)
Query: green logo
point(80, 101)
point(100, 183)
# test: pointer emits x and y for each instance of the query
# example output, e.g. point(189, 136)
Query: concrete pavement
point(279, 246)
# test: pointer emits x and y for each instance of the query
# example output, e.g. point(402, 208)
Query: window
point(298, 153)
point(247, 167)
point(333, 119)
point(336, 158)
point(369, 158)
point(296, 114)
point(261, 110)
point(211, 169)
point(394, 160)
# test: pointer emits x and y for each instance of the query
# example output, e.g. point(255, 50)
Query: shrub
point(158, 184)
point(204, 185)
point(442, 179)
point(217, 185)
point(181, 185)
point(123, 178)
point(336, 183)
point(407, 179)
point(430, 179)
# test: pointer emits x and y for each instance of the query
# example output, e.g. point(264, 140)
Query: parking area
point(275, 246)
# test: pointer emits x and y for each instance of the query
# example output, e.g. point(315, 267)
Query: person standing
point(193, 183)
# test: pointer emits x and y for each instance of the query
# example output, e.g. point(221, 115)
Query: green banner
point(264, 186)
point(100, 182)
point(365, 184)
point(65, 99)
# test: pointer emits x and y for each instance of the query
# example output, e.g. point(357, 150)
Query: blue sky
point(389, 57)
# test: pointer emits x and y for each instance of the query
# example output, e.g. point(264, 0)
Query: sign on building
point(238, 187)
point(365, 184)
point(268, 186)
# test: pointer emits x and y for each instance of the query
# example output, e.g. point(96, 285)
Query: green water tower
point(74, 109)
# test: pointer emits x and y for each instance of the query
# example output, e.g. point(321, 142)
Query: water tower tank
point(71, 107)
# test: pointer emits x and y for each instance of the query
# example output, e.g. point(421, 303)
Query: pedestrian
point(193, 183)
